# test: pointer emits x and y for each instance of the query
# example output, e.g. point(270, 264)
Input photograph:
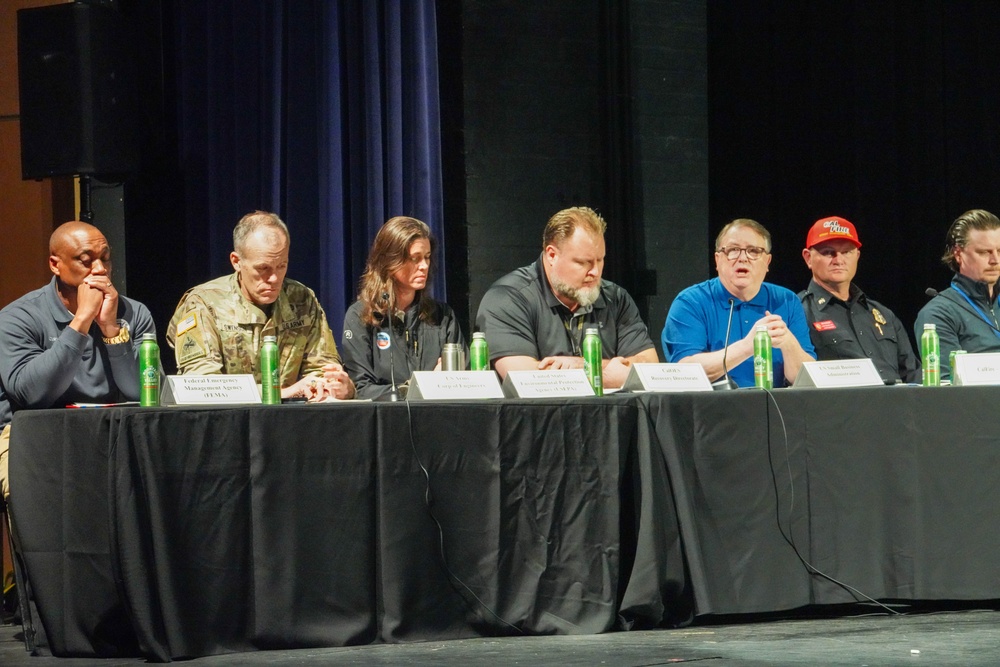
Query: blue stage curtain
point(326, 112)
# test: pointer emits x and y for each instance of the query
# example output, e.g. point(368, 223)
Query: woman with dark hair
point(394, 281)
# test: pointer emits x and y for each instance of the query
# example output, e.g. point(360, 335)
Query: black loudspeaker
point(78, 91)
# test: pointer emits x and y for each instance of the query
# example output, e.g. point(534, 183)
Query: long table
point(183, 532)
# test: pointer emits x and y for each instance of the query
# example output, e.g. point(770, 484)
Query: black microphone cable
point(789, 538)
point(453, 579)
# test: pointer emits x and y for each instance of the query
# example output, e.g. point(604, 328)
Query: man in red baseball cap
point(843, 322)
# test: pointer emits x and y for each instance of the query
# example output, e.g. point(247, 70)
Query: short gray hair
point(251, 222)
point(749, 224)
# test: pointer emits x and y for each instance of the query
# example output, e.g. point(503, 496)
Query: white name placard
point(838, 373)
point(547, 384)
point(666, 377)
point(976, 369)
point(210, 390)
point(453, 385)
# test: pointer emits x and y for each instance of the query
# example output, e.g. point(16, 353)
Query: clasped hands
point(332, 383)
point(97, 301)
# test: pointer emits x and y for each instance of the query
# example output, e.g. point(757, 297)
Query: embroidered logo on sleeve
point(190, 342)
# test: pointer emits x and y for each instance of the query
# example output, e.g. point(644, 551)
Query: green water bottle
point(592, 358)
point(479, 352)
point(149, 371)
point(270, 392)
point(930, 356)
point(951, 362)
point(763, 372)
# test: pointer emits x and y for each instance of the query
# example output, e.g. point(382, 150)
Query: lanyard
point(979, 310)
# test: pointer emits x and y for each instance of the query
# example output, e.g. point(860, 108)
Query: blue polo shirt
point(697, 320)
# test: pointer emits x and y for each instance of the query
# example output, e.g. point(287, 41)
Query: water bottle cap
point(148, 336)
point(592, 330)
point(270, 339)
point(478, 335)
point(930, 326)
point(761, 327)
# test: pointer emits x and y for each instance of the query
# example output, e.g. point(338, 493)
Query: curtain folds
point(324, 112)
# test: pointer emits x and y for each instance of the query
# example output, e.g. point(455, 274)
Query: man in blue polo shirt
point(695, 330)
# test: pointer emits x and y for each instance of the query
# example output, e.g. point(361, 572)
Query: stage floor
point(943, 638)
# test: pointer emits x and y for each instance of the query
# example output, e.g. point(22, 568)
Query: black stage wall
point(670, 118)
point(883, 112)
point(601, 104)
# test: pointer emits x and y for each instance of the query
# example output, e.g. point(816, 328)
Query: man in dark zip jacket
point(966, 314)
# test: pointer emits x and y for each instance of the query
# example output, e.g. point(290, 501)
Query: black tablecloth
point(889, 490)
point(184, 532)
point(234, 529)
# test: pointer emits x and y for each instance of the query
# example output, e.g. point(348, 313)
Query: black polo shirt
point(522, 317)
point(857, 328)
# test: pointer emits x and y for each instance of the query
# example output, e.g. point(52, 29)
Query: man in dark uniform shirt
point(534, 317)
point(843, 322)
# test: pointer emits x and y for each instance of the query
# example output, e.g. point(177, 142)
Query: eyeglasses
point(733, 253)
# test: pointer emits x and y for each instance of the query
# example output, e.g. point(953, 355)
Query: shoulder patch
point(190, 346)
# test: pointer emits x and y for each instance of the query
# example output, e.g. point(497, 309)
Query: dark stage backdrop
point(324, 112)
point(882, 112)
point(885, 113)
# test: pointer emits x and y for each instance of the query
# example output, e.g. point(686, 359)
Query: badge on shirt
point(382, 340)
point(879, 320)
point(825, 325)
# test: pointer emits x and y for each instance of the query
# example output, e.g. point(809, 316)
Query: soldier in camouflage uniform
point(219, 326)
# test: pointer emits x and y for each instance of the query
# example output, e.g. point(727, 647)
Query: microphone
point(393, 394)
point(931, 292)
point(724, 382)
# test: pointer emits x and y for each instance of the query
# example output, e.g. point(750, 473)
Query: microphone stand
point(724, 383)
point(393, 395)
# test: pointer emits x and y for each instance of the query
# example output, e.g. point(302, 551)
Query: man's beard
point(583, 296)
